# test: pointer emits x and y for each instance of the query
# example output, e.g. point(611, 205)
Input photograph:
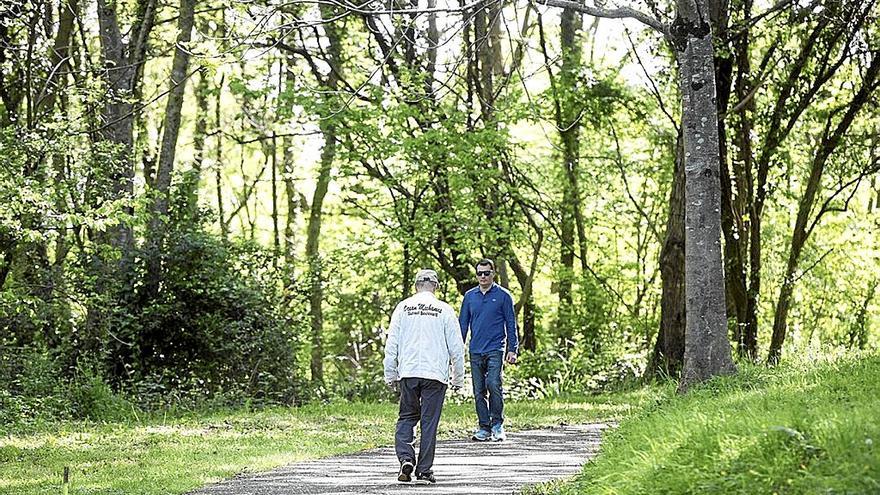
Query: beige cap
point(427, 276)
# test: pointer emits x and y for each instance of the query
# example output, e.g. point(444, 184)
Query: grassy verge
point(172, 455)
point(791, 430)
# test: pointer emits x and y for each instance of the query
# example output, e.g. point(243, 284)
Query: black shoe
point(425, 478)
point(405, 473)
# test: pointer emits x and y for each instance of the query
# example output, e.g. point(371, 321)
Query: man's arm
point(455, 345)
point(390, 361)
point(510, 325)
point(464, 318)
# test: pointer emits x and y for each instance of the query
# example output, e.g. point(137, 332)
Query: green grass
point(165, 455)
point(790, 430)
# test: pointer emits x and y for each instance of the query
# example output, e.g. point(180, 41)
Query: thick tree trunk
point(572, 53)
point(483, 81)
point(59, 56)
point(735, 180)
point(668, 355)
point(114, 273)
point(734, 268)
point(707, 349)
point(123, 72)
point(165, 170)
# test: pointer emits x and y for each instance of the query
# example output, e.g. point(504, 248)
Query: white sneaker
point(498, 434)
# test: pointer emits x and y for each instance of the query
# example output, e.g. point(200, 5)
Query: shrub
point(218, 329)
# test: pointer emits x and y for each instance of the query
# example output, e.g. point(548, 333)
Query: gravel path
point(461, 467)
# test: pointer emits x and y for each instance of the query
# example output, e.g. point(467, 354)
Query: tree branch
point(619, 13)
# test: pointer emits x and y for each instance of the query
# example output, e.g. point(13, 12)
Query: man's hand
point(511, 357)
point(394, 385)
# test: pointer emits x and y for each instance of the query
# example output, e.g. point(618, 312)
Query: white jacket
point(424, 337)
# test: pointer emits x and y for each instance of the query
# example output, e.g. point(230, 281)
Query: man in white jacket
point(424, 338)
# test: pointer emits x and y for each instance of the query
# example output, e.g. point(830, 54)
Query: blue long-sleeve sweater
point(490, 319)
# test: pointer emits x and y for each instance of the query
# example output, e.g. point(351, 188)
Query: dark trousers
point(421, 400)
point(488, 395)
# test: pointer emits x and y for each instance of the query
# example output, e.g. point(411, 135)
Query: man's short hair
point(486, 261)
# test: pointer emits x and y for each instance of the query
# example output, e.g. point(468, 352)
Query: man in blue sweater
point(487, 311)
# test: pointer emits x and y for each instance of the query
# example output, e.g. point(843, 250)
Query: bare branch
point(654, 90)
point(359, 9)
point(619, 13)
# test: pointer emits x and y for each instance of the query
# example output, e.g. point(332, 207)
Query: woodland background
point(212, 202)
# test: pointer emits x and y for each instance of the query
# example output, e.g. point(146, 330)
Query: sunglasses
point(484, 273)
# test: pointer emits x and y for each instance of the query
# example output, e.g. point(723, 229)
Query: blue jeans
point(486, 371)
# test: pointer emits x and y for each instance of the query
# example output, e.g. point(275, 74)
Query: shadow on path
point(461, 467)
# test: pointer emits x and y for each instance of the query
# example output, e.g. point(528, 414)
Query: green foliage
point(218, 330)
point(794, 429)
point(92, 398)
point(426, 173)
point(551, 372)
point(37, 390)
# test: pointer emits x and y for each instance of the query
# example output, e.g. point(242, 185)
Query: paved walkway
point(461, 467)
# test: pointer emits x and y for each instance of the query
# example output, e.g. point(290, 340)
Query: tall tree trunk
point(276, 233)
point(60, 60)
point(568, 124)
point(9, 115)
point(732, 202)
point(218, 165)
point(526, 304)
point(747, 344)
point(292, 197)
point(805, 222)
point(734, 290)
point(193, 176)
point(483, 74)
point(165, 170)
point(567, 119)
point(313, 234)
point(123, 65)
point(668, 355)
point(707, 349)
point(59, 56)
point(328, 153)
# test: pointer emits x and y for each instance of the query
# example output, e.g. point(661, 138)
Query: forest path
point(461, 467)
